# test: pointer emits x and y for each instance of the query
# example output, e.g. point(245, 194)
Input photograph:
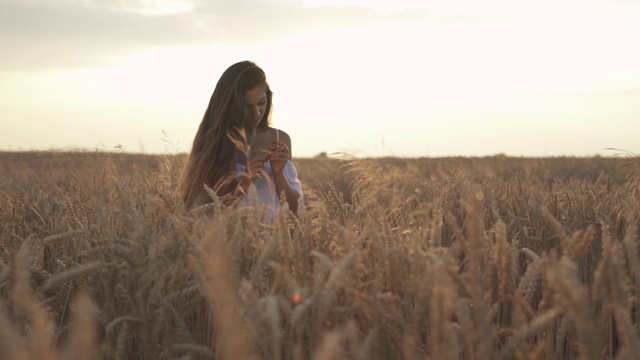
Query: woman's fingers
point(255, 168)
point(278, 145)
point(277, 154)
point(278, 148)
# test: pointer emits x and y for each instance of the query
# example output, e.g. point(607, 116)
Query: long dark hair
point(213, 157)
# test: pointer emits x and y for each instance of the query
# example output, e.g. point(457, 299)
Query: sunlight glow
point(538, 78)
point(380, 5)
point(161, 7)
point(142, 7)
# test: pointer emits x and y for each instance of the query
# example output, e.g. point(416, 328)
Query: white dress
point(265, 188)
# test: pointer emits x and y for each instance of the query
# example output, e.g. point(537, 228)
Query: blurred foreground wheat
point(453, 258)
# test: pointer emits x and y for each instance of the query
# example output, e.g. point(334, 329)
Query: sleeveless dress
point(265, 188)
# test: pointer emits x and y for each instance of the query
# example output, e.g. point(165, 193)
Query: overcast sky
point(373, 78)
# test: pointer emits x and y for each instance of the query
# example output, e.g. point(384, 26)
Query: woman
point(235, 148)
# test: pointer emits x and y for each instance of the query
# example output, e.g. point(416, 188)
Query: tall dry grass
point(454, 258)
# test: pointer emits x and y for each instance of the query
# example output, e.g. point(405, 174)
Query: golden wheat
point(455, 258)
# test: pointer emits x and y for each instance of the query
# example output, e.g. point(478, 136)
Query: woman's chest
point(259, 146)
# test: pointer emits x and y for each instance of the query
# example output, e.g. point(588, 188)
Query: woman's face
point(255, 103)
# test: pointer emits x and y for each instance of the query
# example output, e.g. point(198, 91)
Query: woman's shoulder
point(280, 134)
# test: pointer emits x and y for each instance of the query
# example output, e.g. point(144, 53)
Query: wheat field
point(391, 258)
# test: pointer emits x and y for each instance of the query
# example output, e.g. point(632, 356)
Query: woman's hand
point(278, 156)
point(255, 168)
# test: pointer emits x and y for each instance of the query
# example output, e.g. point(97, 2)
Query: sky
point(403, 78)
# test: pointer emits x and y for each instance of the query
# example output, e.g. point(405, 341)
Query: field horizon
point(339, 155)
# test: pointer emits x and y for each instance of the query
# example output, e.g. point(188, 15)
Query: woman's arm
point(281, 153)
point(292, 196)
